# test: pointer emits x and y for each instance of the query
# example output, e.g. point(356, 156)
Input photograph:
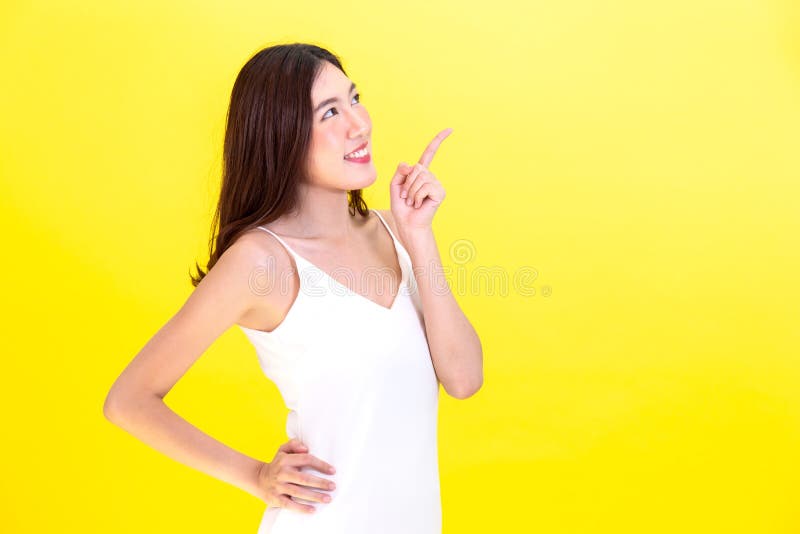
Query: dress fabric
point(362, 394)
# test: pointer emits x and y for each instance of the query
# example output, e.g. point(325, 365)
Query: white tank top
point(362, 394)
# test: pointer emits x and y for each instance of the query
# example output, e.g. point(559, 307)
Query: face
point(340, 126)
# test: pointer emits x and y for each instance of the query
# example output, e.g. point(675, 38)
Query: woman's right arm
point(136, 400)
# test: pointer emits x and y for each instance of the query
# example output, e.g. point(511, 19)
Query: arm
point(135, 402)
point(454, 345)
point(150, 420)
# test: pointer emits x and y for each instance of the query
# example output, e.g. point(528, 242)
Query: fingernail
point(402, 194)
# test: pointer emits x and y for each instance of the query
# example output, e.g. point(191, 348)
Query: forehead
point(330, 82)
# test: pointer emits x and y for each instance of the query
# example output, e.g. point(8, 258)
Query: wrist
point(415, 235)
point(254, 486)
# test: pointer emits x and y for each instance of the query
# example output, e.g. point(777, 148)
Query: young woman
point(344, 305)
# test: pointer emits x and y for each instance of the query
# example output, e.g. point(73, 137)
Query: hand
point(281, 479)
point(420, 187)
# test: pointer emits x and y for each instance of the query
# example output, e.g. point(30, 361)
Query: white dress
point(362, 395)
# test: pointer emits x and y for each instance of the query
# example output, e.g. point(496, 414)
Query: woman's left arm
point(416, 194)
point(454, 345)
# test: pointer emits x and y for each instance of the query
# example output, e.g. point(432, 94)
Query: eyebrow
point(331, 100)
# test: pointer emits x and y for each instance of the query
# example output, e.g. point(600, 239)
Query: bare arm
point(150, 420)
point(135, 402)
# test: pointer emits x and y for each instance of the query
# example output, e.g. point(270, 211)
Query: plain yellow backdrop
point(634, 164)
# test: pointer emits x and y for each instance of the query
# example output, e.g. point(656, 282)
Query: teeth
point(357, 154)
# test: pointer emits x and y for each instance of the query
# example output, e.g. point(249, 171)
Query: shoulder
point(244, 269)
point(254, 246)
point(389, 218)
point(229, 291)
point(251, 249)
point(221, 299)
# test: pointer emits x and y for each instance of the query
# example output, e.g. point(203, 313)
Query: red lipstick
point(363, 159)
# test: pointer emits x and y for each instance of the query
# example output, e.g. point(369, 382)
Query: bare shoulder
point(272, 282)
point(237, 284)
point(233, 288)
point(389, 218)
point(228, 287)
point(224, 295)
point(252, 259)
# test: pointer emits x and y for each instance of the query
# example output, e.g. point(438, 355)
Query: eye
point(356, 96)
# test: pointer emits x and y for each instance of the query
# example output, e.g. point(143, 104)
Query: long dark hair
point(267, 133)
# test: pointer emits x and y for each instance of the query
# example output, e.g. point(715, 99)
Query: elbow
point(114, 402)
point(470, 383)
point(120, 405)
point(116, 405)
point(466, 391)
point(111, 408)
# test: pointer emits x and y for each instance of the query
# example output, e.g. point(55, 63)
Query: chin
point(367, 180)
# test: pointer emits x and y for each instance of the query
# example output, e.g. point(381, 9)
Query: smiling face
point(341, 125)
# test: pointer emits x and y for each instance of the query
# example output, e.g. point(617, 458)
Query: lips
point(358, 148)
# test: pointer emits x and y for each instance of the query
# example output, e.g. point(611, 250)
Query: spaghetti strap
point(398, 244)
point(295, 255)
point(384, 223)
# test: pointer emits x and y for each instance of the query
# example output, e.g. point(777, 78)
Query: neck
point(321, 214)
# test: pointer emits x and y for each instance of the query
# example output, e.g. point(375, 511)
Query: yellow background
point(643, 158)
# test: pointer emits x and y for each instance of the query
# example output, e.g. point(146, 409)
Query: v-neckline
point(354, 293)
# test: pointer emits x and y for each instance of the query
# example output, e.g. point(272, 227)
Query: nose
point(359, 126)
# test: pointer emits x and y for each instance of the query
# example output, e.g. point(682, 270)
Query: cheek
point(325, 147)
point(332, 145)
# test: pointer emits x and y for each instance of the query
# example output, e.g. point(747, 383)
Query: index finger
point(430, 151)
point(313, 462)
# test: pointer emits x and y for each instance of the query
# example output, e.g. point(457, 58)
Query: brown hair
point(267, 133)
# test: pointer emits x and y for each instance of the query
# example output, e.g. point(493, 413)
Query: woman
point(358, 367)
